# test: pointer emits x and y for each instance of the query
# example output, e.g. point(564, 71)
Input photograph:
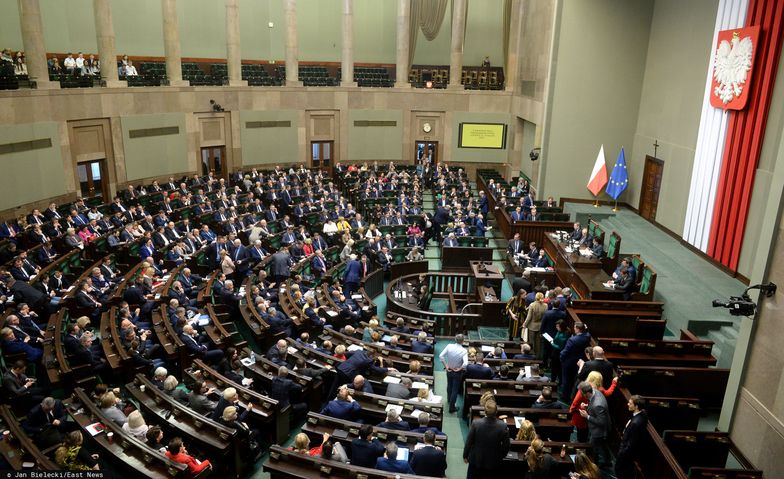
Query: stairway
point(724, 341)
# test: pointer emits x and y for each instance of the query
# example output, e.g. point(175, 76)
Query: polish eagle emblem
point(732, 64)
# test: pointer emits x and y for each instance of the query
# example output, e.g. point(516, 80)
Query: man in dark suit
point(18, 387)
point(420, 344)
point(597, 249)
point(429, 460)
point(625, 284)
point(188, 336)
point(600, 364)
point(342, 407)
point(598, 418)
point(365, 449)
point(85, 355)
point(478, 369)
point(357, 362)
point(46, 422)
point(277, 352)
point(284, 390)
point(390, 463)
point(515, 245)
point(571, 353)
point(352, 275)
point(319, 264)
point(13, 345)
point(630, 441)
point(486, 445)
point(394, 421)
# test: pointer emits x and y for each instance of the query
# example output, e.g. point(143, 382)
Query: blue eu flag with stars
point(619, 179)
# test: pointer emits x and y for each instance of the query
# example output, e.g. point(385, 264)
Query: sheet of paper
point(392, 380)
point(519, 421)
point(396, 407)
point(418, 385)
point(487, 349)
point(547, 337)
point(354, 347)
point(416, 413)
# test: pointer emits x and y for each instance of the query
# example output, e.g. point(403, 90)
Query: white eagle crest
point(730, 67)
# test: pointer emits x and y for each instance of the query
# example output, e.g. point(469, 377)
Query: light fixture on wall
point(429, 84)
point(534, 155)
point(215, 106)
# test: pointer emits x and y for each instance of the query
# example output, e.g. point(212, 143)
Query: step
point(730, 332)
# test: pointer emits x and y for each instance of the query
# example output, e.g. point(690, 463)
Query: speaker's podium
point(487, 281)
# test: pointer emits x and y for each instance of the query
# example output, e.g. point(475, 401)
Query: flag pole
point(596, 203)
point(615, 208)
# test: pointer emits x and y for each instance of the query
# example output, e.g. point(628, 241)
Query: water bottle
point(253, 356)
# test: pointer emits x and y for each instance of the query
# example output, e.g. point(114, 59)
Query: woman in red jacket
point(177, 453)
point(594, 379)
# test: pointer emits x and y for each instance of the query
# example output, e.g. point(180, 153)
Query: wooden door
point(213, 159)
point(651, 185)
point(427, 153)
point(321, 155)
point(92, 179)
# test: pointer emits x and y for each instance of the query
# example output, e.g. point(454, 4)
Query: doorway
point(321, 155)
point(426, 153)
point(651, 185)
point(213, 159)
point(92, 179)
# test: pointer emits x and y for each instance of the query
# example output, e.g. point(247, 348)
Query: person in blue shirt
point(390, 462)
point(11, 345)
point(342, 407)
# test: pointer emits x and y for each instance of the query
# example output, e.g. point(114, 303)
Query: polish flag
point(598, 175)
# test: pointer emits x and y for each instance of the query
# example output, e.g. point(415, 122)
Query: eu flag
point(619, 179)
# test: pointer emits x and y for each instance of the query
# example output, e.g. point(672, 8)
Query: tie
point(237, 255)
point(11, 231)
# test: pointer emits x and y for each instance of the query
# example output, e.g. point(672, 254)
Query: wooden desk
point(486, 275)
point(19, 448)
point(584, 275)
point(458, 258)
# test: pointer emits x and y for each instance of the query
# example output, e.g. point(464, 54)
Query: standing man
point(454, 357)
point(280, 265)
point(598, 423)
point(352, 275)
point(630, 442)
point(487, 445)
point(571, 353)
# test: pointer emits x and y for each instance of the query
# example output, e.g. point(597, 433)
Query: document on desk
point(398, 408)
point(354, 347)
point(488, 349)
point(392, 380)
point(418, 385)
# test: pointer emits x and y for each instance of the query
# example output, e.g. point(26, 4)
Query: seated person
point(429, 460)
point(199, 400)
point(391, 463)
point(535, 376)
point(546, 400)
point(400, 390)
point(72, 456)
point(136, 426)
point(394, 421)
point(343, 406)
point(420, 344)
point(525, 352)
point(597, 249)
point(424, 425)
point(110, 407)
point(178, 453)
point(365, 449)
point(477, 369)
point(12, 345)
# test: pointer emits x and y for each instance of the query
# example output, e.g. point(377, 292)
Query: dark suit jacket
point(364, 453)
point(429, 461)
point(631, 435)
point(280, 264)
point(37, 420)
point(421, 347)
point(358, 362)
point(393, 465)
point(602, 366)
point(395, 426)
point(487, 443)
point(574, 349)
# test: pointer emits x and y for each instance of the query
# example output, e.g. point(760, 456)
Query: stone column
point(292, 42)
point(458, 37)
point(401, 65)
point(171, 44)
point(33, 41)
point(104, 30)
point(512, 70)
point(233, 55)
point(347, 57)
